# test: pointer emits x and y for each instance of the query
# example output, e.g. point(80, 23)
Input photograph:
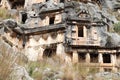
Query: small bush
point(4, 14)
point(117, 27)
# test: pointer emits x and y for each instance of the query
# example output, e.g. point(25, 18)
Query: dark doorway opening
point(51, 20)
point(61, 1)
point(118, 55)
point(107, 69)
point(47, 0)
point(24, 17)
point(106, 58)
point(80, 32)
point(70, 55)
point(81, 57)
point(17, 3)
point(93, 57)
point(48, 53)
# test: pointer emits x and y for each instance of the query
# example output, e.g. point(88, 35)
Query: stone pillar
point(101, 69)
point(68, 59)
point(100, 58)
point(40, 55)
point(58, 18)
point(113, 59)
point(75, 57)
point(114, 69)
point(60, 51)
point(87, 58)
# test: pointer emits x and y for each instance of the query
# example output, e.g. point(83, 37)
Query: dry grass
point(70, 72)
point(6, 62)
point(4, 14)
point(8, 58)
point(117, 27)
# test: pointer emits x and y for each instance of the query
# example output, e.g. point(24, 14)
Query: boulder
point(19, 73)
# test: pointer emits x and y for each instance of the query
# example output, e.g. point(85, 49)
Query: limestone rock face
point(28, 3)
point(52, 75)
point(43, 15)
point(104, 75)
point(19, 73)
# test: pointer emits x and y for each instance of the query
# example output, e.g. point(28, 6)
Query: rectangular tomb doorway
point(106, 58)
point(93, 58)
point(49, 53)
point(51, 20)
point(81, 57)
point(80, 32)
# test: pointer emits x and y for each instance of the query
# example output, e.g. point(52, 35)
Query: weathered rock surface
point(104, 76)
point(35, 19)
point(49, 74)
point(19, 73)
point(35, 16)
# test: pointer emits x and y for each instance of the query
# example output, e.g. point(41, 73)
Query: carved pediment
point(83, 14)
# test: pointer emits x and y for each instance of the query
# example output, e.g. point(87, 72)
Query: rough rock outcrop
point(104, 76)
point(19, 73)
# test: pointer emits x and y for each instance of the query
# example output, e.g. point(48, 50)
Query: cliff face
point(45, 28)
point(98, 17)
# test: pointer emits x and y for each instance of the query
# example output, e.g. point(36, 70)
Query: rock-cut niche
point(17, 3)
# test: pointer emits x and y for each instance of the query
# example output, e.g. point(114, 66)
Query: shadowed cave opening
point(106, 58)
point(24, 17)
point(61, 1)
point(47, 0)
point(81, 57)
point(118, 55)
point(51, 20)
point(17, 3)
point(107, 69)
point(49, 53)
point(80, 32)
point(93, 57)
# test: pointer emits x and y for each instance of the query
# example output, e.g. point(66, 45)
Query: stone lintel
point(107, 51)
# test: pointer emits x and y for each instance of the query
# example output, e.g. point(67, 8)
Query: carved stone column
point(113, 59)
point(40, 55)
point(100, 58)
point(75, 57)
point(114, 69)
point(87, 58)
point(60, 51)
point(68, 59)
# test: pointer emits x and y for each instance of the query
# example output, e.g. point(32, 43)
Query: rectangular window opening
point(81, 57)
point(47, 0)
point(93, 58)
point(61, 1)
point(16, 4)
point(24, 17)
point(51, 20)
point(118, 55)
point(107, 70)
point(80, 32)
point(106, 58)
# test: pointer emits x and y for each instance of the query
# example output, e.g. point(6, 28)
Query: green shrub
point(4, 14)
point(117, 27)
